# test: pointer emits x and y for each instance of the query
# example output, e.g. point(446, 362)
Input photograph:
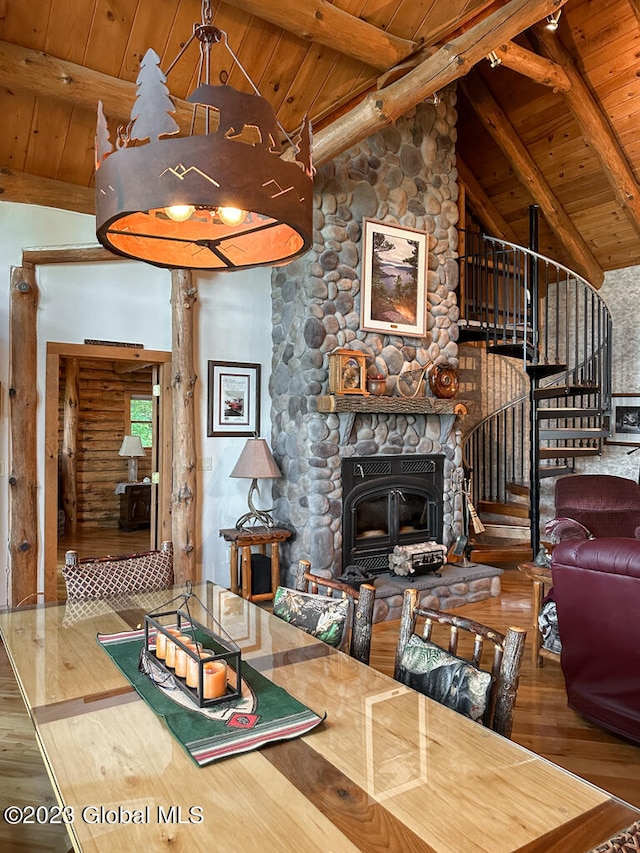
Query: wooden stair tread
point(521, 489)
point(567, 452)
point(542, 370)
point(555, 470)
point(518, 510)
point(565, 433)
point(507, 552)
point(557, 391)
point(557, 413)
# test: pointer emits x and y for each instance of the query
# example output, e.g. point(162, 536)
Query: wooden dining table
point(387, 769)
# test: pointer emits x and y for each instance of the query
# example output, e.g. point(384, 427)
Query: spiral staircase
point(522, 305)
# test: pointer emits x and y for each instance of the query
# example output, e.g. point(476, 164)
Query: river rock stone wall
point(404, 175)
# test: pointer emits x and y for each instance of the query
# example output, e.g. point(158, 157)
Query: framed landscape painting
point(394, 280)
point(234, 398)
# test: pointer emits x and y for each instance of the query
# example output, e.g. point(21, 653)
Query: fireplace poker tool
point(462, 546)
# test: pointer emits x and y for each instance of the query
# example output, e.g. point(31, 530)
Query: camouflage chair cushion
point(327, 619)
point(114, 576)
point(448, 679)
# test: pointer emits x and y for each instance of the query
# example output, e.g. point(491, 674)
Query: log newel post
point(23, 494)
point(183, 495)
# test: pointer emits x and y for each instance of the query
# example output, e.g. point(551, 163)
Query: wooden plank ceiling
point(554, 123)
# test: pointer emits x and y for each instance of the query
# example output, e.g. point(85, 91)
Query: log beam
point(81, 254)
point(595, 128)
point(496, 122)
point(33, 189)
point(454, 60)
point(183, 497)
point(323, 23)
point(482, 205)
point(23, 403)
point(532, 65)
point(33, 71)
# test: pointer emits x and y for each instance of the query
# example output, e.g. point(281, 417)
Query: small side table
point(541, 577)
point(244, 540)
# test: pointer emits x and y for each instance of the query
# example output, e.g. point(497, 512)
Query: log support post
point(23, 485)
point(183, 495)
point(70, 444)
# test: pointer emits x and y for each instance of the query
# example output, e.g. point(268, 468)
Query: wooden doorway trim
point(56, 351)
point(23, 486)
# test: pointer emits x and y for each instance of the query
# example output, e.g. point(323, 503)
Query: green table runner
point(265, 712)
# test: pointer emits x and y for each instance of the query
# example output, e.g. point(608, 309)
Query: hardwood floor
point(542, 723)
point(100, 541)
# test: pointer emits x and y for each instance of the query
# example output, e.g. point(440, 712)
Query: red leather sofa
point(596, 587)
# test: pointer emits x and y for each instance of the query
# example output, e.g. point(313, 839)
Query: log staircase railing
point(524, 305)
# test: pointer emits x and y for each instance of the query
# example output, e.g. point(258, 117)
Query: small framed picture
point(625, 419)
point(234, 398)
point(394, 280)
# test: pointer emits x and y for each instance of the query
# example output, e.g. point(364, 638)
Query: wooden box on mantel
point(397, 405)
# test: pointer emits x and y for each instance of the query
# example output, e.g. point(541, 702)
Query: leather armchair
point(595, 505)
point(596, 586)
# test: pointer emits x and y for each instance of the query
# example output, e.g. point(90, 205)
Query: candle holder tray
point(222, 649)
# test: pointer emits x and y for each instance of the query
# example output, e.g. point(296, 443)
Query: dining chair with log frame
point(327, 590)
point(467, 683)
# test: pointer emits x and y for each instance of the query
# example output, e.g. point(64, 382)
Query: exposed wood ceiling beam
point(324, 23)
point(496, 122)
point(49, 77)
point(481, 204)
point(595, 128)
point(32, 189)
point(452, 61)
point(635, 5)
point(530, 64)
point(81, 254)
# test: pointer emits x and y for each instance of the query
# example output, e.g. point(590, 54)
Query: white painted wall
point(128, 301)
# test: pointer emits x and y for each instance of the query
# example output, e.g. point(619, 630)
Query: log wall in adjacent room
point(102, 392)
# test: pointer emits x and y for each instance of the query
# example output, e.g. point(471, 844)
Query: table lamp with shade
point(256, 463)
point(132, 447)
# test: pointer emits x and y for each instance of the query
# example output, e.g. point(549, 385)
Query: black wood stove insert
point(389, 501)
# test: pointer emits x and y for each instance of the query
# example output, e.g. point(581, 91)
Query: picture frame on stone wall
point(625, 419)
point(233, 398)
point(394, 279)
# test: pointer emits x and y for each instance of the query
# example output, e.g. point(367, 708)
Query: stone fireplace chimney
point(404, 175)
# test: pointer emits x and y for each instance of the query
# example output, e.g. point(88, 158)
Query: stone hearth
point(456, 586)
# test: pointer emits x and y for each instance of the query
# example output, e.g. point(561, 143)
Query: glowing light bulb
point(231, 215)
point(553, 20)
point(179, 212)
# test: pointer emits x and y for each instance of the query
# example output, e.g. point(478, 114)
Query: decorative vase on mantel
point(444, 381)
point(376, 384)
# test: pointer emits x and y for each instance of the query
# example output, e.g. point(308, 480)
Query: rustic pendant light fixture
point(222, 200)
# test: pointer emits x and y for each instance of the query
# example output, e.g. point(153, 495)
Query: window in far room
point(139, 414)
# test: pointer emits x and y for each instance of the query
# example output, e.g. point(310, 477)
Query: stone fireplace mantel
point(347, 406)
point(395, 405)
